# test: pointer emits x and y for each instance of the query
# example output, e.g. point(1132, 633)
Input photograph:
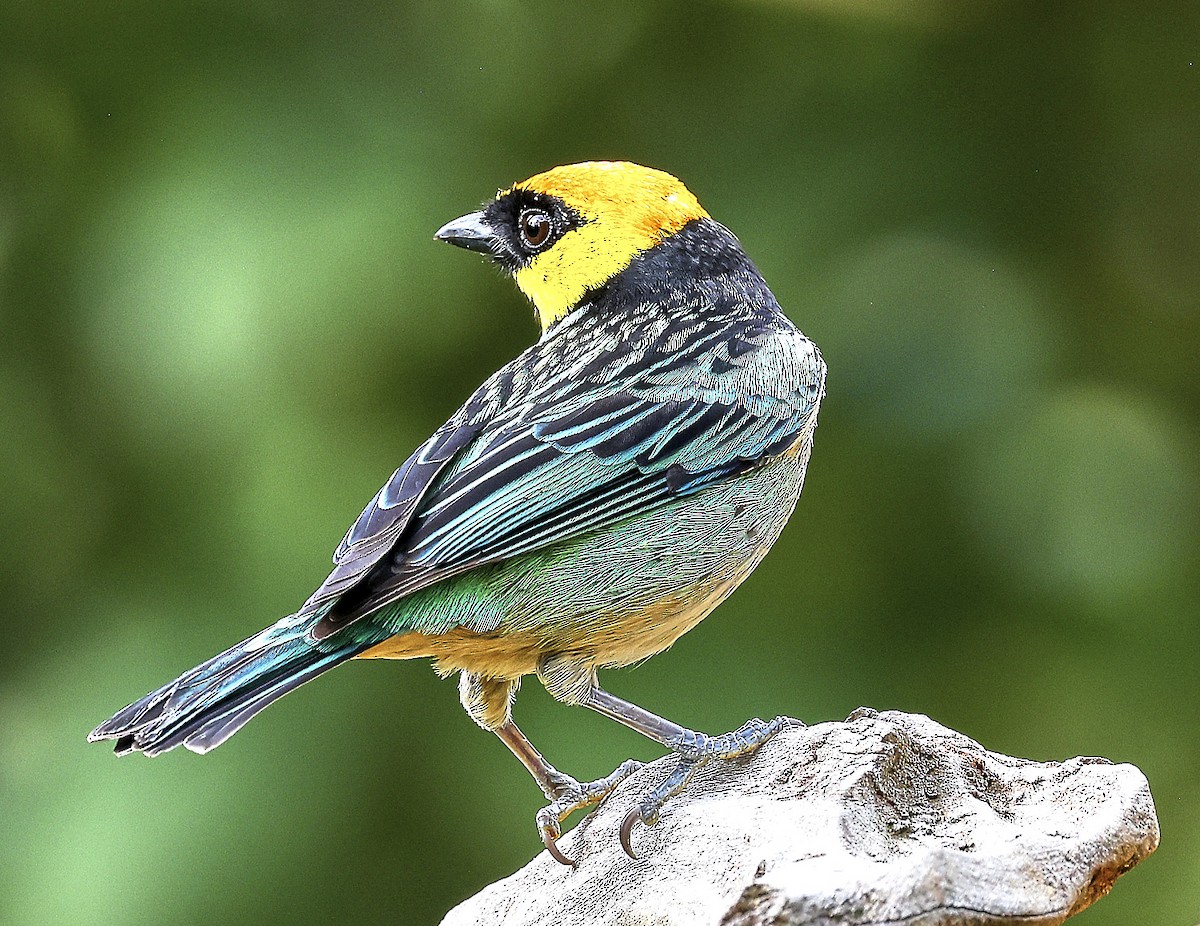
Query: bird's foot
point(695, 750)
point(569, 796)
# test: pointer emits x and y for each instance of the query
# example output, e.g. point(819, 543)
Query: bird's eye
point(535, 229)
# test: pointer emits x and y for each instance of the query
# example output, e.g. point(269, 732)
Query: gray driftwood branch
point(885, 819)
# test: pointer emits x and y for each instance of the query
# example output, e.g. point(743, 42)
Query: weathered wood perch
point(885, 819)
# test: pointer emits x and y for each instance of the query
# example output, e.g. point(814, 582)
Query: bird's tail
point(208, 704)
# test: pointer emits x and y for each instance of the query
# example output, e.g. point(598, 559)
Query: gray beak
point(470, 231)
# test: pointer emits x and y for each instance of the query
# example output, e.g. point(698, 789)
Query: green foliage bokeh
point(225, 322)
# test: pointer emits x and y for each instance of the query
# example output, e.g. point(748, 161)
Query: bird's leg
point(565, 793)
point(693, 748)
point(488, 702)
point(552, 782)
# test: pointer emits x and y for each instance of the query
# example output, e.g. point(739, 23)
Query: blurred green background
point(225, 322)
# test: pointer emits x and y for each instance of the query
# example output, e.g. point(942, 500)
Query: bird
point(588, 504)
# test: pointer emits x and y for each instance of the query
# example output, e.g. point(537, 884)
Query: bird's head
point(571, 229)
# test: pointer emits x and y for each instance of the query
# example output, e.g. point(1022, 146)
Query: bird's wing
point(586, 458)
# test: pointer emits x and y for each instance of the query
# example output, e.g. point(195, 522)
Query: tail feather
point(208, 704)
point(208, 729)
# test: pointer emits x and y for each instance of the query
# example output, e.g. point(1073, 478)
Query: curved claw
point(634, 816)
point(555, 851)
point(549, 829)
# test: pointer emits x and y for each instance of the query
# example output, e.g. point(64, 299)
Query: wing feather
point(561, 464)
